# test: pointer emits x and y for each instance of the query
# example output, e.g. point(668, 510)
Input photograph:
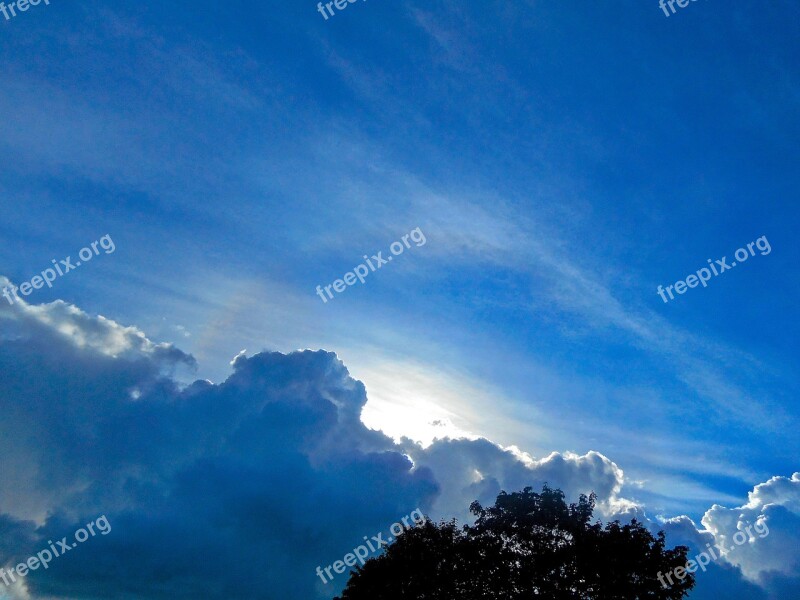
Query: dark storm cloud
point(241, 489)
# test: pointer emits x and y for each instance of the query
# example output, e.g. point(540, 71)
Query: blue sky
point(562, 160)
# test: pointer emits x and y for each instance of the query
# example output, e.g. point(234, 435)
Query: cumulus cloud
point(754, 546)
point(769, 523)
point(241, 489)
point(470, 470)
point(39, 324)
point(233, 490)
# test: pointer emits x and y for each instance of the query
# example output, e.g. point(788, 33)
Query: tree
point(528, 545)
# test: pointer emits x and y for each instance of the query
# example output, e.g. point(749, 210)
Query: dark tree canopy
point(528, 545)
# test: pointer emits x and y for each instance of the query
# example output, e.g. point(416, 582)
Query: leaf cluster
point(527, 545)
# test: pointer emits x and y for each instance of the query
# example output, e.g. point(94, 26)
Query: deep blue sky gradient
point(563, 160)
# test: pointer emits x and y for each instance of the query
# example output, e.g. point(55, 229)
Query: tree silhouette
point(528, 545)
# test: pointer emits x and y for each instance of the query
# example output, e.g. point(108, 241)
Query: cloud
point(233, 490)
point(759, 538)
point(470, 470)
point(241, 489)
point(774, 507)
point(59, 322)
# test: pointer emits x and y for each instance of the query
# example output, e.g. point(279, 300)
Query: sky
point(552, 166)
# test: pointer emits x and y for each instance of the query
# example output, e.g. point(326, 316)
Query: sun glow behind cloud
point(410, 400)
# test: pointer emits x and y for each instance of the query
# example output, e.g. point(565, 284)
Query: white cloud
point(282, 435)
point(68, 322)
point(773, 506)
